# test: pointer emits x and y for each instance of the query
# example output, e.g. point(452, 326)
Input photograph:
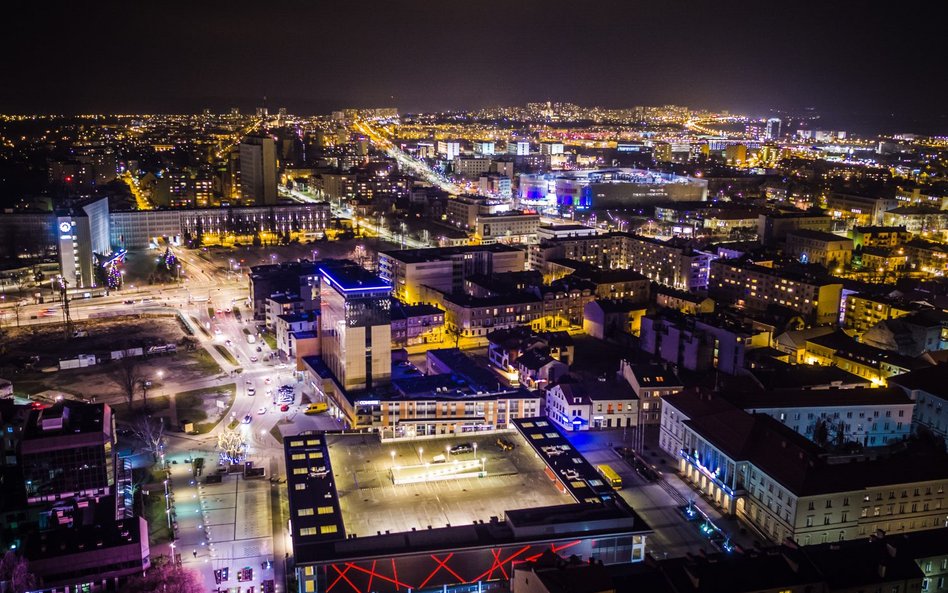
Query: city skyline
point(744, 57)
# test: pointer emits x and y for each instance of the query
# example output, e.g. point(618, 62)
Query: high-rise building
point(772, 131)
point(258, 171)
point(356, 336)
point(83, 233)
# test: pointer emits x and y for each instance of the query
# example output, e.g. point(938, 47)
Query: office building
point(355, 328)
point(83, 242)
point(258, 171)
point(413, 271)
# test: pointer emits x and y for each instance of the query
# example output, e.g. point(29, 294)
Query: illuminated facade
point(587, 518)
point(356, 331)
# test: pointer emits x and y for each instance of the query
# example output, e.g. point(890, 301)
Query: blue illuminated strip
point(356, 289)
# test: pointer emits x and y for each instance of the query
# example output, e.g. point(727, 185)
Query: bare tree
point(151, 432)
point(15, 575)
point(231, 443)
point(16, 310)
point(166, 577)
point(455, 332)
point(126, 376)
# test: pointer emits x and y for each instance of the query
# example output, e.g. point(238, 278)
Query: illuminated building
point(484, 147)
point(772, 131)
point(551, 148)
point(817, 247)
point(140, 229)
point(758, 287)
point(355, 328)
point(879, 236)
point(514, 226)
point(475, 317)
point(674, 263)
point(518, 147)
point(412, 271)
point(463, 211)
point(298, 280)
point(605, 318)
point(472, 167)
point(449, 149)
point(568, 507)
point(414, 324)
point(609, 188)
point(862, 360)
point(494, 183)
point(258, 171)
point(917, 219)
point(865, 310)
point(761, 470)
point(651, 383)
point(577, 405)
point(865, 210)
point(83, 234)
point(735, 154)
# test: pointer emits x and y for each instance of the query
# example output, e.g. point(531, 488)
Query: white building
point(576, 406)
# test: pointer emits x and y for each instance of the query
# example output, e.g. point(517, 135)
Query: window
point(324, 529)
point(324, 510)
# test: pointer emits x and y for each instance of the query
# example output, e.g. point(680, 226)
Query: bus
point(610, 475)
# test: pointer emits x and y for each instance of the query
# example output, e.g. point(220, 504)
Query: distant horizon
point(864, 123)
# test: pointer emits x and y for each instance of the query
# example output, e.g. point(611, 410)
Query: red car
point(285, 408)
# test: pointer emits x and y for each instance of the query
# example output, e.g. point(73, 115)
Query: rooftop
point(414, 256)
point(352, 277)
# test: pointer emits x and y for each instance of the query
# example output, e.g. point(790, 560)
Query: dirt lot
point(103, 336)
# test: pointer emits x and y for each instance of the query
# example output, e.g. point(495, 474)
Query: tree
point(231, 444)
point(455, 332)
point(821, 433)
point(15, 575)
point(126, 376)
point(150, 431)
point(165, 577)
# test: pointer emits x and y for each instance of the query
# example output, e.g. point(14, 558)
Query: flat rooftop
point(371, 504)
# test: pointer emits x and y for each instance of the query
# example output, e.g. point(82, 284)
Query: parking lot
point(371, 502)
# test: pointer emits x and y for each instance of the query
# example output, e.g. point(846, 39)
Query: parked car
point(462, 448)
point(247, 419)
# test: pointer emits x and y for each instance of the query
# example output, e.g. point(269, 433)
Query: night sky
point(850, 59)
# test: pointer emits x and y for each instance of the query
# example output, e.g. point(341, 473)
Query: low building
point(879, 236)
point(608, 319)
point(651, 383)
point(505, 346)
point(863, 310)
point(576, 405)
point(911, 335)
point(818, 247)
point(416, 324)
point(689, 303)
point(476, 317)
point(862, 360)
point(289, 324)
